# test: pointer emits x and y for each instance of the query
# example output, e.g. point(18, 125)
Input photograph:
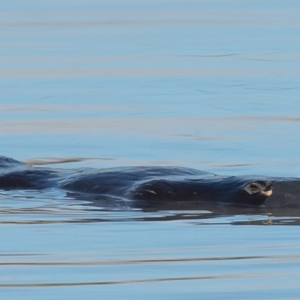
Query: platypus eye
point(254, 187)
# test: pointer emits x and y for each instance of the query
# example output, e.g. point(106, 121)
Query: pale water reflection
point(173, 258)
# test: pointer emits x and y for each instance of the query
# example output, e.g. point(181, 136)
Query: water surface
point(212, 85)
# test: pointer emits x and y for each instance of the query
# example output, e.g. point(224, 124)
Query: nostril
point(269, 186)
point(268, 189)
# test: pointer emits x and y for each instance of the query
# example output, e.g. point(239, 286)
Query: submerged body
point(148, 186)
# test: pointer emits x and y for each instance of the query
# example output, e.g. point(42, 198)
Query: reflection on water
point(107, 252)
point(30, 207)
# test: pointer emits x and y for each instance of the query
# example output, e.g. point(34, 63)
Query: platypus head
point(253, 192)
point(220, 190)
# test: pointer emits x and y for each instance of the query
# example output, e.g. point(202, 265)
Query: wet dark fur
point(144, 186)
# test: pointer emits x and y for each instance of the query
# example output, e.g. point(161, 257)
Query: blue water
point(212, 85)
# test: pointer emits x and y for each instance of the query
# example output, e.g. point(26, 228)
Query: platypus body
point(146, 186)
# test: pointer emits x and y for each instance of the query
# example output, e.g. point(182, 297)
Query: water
point(212, 85)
